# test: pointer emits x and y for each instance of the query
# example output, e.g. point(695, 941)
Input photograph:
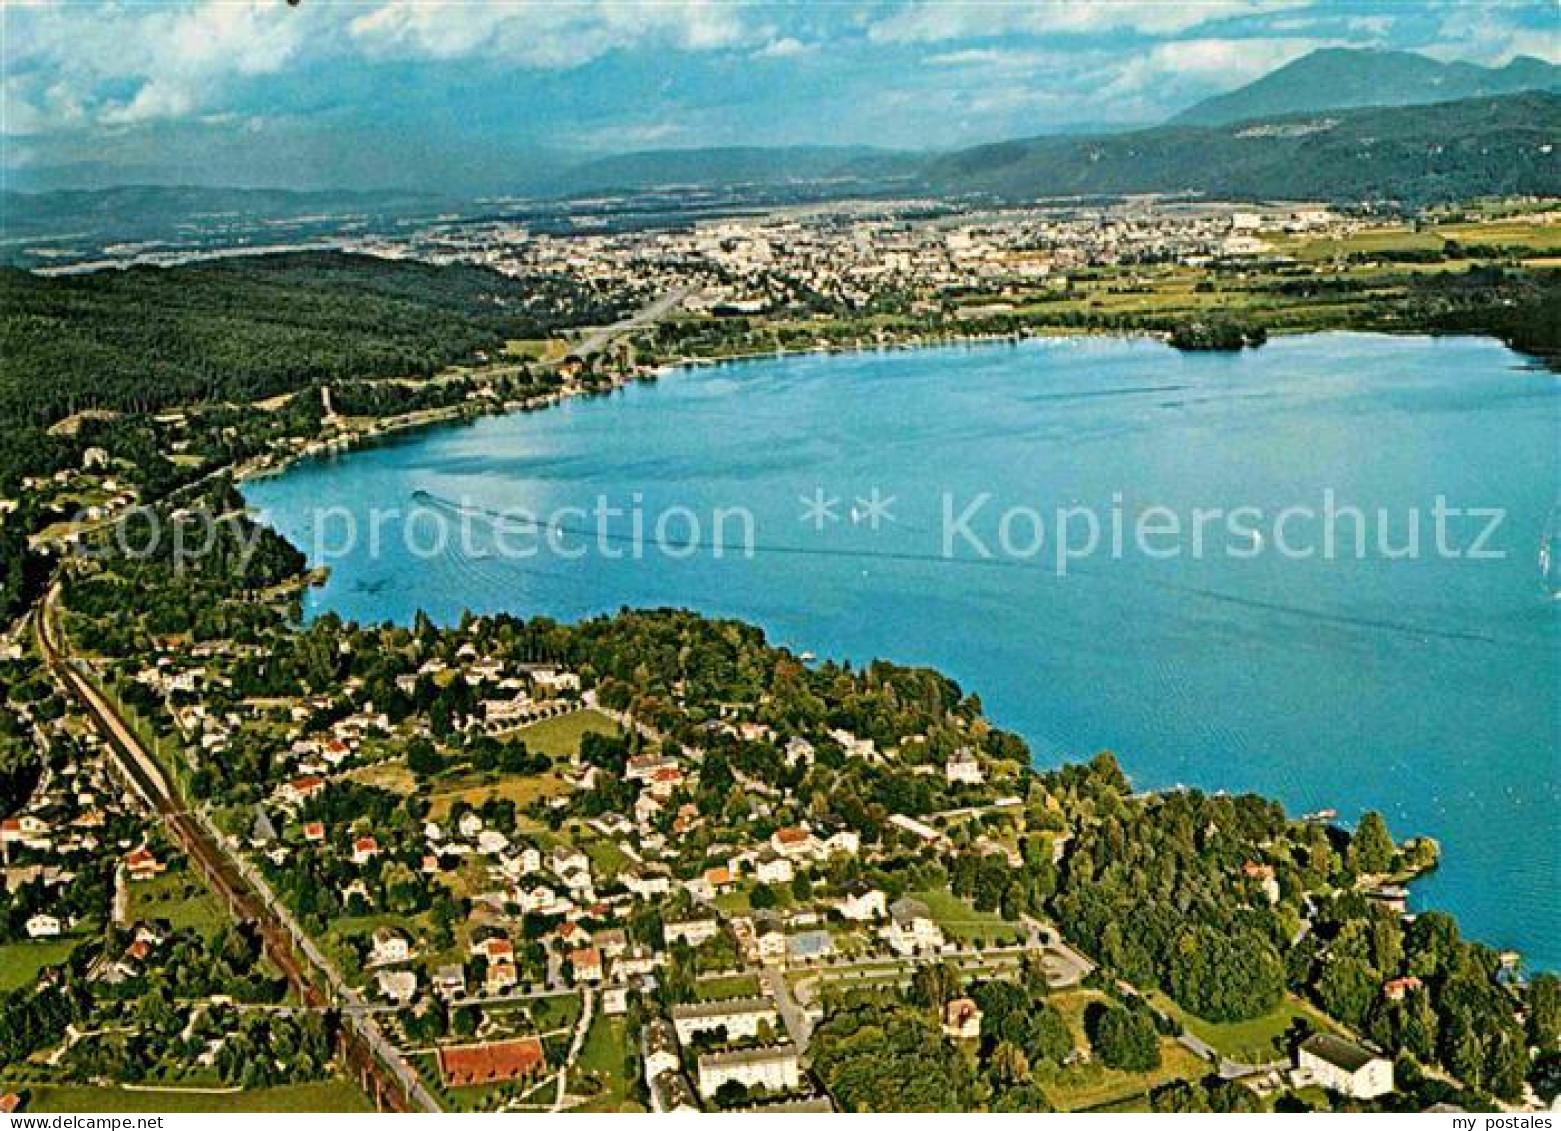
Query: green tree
point(1371, 848)
point(1123, 1038)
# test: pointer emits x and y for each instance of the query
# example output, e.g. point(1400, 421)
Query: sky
point(331, 93)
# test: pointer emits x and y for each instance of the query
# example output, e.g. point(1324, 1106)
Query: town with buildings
point(653, 861)
point(537, 868)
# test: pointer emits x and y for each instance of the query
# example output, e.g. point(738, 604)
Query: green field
point(559, 737)
point(606, 857)
point(325, 1095)
point(21, 962)
point(963, 923)
point(719, 989)
point(179, 898)
point(1092, 1085)
point(602, 1060)
point(1252, 1042)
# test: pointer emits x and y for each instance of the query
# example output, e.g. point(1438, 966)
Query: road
point(648, 315)
point(244, 893)
point(798, 1026)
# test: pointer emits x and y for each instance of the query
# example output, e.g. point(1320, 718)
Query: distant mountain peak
point(1339, 78)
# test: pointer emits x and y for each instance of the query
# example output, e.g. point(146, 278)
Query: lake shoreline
point(1338, 354)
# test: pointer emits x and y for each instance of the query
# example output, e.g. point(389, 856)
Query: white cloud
point(1233, 61)
point(64, 67)
point(785, 47)
point(932, 21)
point(132, 64)
point(997, 58)
point(1177, 70)
point(549, 35)
point(1487, 35)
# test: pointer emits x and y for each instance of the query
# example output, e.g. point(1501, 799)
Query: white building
point(659, 1049)
point(43, 927)
point(398, 985)
point(911, 929)
point(1344, 1067)
point(773, 1068)
point(862, 903)
point(962, 767)
point(773, 869)
point(740, 1017)
point(390, 946)
point(692, 931)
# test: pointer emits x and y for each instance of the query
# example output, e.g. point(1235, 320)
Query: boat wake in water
point(683, 547)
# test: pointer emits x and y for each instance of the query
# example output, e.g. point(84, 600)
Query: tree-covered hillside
point(252, 327)
point(1417, 154)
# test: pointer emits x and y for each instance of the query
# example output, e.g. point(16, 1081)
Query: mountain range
point(1340, 78)
point(1336, 124)
point(1412, 154)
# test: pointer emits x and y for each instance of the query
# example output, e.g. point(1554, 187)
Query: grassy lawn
point(1093, 1085)
point(536, 349)
point(559, 737)
point(546, 1014)
point(393, 776)
point(179, 898)
point(606, 857)
point(21, 962)
point(1251, 1041)
point(325, 1095)
point(602, 1058)
point(964, 923)
point(521, 789)
point(719, 989)
point(734, 901)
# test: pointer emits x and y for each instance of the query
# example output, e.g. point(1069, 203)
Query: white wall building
point(774, 1068)
point(1344, 1067)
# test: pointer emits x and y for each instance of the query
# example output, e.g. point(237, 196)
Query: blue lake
point(1426, 686)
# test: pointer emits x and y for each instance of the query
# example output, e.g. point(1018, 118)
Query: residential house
point(962, 768)
point(795, 843)
point(398, 985)
point(43, 927)
point(140, 864)
point(450, 980)
point(500, 978)
point(692, 931)
point(962, 1019)
point(615, 1001)
point(364, 849)
point(389, 946)
point(911, 929)
point(862, 903)
point(1397, 989)
point(772, 868)
point(586, 964)
point(299, 790)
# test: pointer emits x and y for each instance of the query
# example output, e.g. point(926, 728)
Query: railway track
point(363, 1049)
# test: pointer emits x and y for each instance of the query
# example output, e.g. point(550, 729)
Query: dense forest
point(251, 327)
